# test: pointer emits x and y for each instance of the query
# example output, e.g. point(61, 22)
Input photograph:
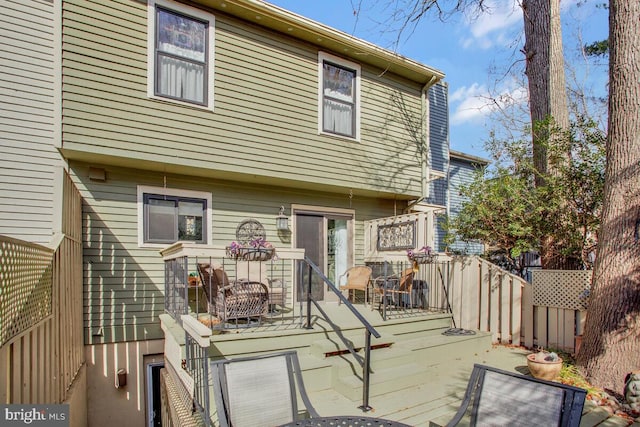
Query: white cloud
point(474, 103)
point(489, 28)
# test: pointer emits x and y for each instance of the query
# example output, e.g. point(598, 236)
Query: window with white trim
point(166, 216)
point(180, 53)
point(339, 96)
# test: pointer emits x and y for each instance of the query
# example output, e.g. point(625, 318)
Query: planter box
point(422, 258)
point(251, 254)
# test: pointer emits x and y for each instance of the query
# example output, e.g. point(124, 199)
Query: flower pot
point(543, 369)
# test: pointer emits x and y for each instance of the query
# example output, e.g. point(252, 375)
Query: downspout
point(425, 143)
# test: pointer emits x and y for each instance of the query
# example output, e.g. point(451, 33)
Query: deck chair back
point(357, 278)
point(259, 391)
point(501, 398)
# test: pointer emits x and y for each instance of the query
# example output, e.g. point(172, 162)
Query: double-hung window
point(339, 97)
point(167, 216)
point(181, 59)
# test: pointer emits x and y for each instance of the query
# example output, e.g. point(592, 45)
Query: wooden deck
point(419, 375)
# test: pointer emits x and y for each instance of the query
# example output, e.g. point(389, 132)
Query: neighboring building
point(461, 171)
point(179, 121)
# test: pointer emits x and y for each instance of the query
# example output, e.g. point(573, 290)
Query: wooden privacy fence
point(548, 313)
point(486, 298)
point(559, 307)
point(41, 339)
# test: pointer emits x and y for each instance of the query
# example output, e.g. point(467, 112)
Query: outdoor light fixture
point(121, 378)
point(282, 221)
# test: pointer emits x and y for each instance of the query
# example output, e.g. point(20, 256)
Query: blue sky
point(465, 49)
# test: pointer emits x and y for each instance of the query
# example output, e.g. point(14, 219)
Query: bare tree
point(611, 343)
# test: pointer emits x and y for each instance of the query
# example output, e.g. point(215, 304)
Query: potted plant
point(544, 365)
point(258, 250)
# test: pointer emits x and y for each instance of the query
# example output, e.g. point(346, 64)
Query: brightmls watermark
point(35, 415)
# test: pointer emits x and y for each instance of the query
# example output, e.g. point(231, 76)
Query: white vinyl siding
point(265, 123)
point(30, 164)
point(124, 281)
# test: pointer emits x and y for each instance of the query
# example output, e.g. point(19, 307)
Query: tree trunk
point(611, 343)
point(547, 94)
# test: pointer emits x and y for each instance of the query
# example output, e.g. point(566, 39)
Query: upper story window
point(166, 216)
point(180, 53)
point(339, 96)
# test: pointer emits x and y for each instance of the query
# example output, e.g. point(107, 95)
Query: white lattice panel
point(25, 286)
point(560, 288)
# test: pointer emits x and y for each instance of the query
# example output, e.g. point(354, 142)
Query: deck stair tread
point(441, 340)
point(380, 359)
point(381, 381)
point(332, 345)
point(413, 326)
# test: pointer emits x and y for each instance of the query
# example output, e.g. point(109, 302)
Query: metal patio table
point(345, 421)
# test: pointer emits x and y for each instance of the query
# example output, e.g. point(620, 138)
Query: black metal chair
point(259, 390)
point(500, 398)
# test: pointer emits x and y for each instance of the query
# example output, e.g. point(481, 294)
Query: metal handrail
point(369, 329)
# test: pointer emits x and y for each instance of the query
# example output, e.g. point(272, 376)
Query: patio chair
point(358, 279)
point(501, 398)
point(256, 272)
point(399, 290)
point(259, 390)
point(232, 299)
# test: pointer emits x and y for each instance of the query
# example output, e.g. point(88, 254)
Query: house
point(461, 170)
point(202, 122)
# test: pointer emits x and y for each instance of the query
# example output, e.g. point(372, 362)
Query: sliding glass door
point(327, 239)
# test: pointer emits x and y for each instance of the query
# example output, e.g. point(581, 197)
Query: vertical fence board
point(48, 348)
point(484, 297)
point(527, 314)
point(4, 375)
point(41, 372)
point(516, 311)
point(568, 329)
point(494, 303)
point(505, 312)
point(471, 295)
point(553, 327)
point(541, 333)
point(16, 371)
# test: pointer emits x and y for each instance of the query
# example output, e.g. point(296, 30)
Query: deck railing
point(233, 293)
point(225, 293)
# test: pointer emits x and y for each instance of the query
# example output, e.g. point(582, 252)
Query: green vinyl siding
point(124, 283)
point(30, 161)
point(265, 118)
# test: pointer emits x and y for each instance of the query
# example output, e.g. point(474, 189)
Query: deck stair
point(401, 358)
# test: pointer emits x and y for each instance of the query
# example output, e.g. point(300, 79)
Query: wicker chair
point(232, 300)
point(256, 271)
point(358, 279)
